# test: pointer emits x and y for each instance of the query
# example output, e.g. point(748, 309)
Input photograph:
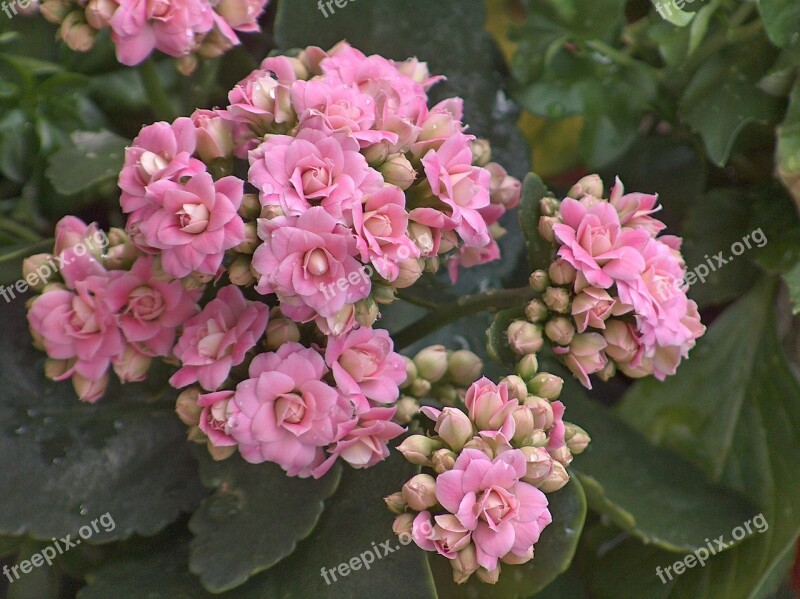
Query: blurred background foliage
point(700, 104)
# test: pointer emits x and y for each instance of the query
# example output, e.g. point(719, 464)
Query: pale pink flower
point(285, 413)
point(218, 338)
point(365, 367)
point(214, 417)
point(171, 26)
point(308, 261)
point(241, 15)
point(504, 515)
point(593, 306)
point(150, 309)
point(312, 169)
point(366, 444)
point(634, 209)
point(462, 187)
point(489, 405)
point(192, 224)
point(77, 249)
point(381, 223)
point(584, 356)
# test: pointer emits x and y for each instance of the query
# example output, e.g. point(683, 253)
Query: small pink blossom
point(489, 405)
point(214, 417)
point(584, 356)
point(634, 209)
point(218, 338)
point(366, 444)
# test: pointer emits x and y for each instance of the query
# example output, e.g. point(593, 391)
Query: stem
point(418, 301)
point(44, 244)
point(496, 299)
point(155, 91)
point(18, 229)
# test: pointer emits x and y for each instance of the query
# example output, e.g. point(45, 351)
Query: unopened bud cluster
point(501, 456)
point(441, 373)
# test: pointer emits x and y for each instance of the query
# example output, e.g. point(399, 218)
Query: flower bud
point(559, 330)
point(545, 227)
point(280, 331)
point(481, 445)
point(219, 453)
point(403, 524)
point(411, 372)
point(131, 365)
point(420, 388)
point(214, 44)
point(240, 272)
point(454, 427)
point(546, 385)
point(410, 272)
point(55, 10)
point(376, 154)
point(481, 152)
point(524, 337)
point(367, 311)
point(420, 492)
point(76, 32)
point(431, 363)
point(577, 439)
point(557, 299)
point(562, 455)
point(89, 390)
point(443, 460)
point(99, 12)
point(214, 135)
point(562, 272)
point(557, 479)
point(549, 206)
point(488, 576)
point(464, 367)
point(186, 406)
point(503, 188)
point(516, 385)
point(395, 502)
point(269, 212)
point(250, 208)
point(464, 564)
point(251, 240)
point(417, 449)
point(523, 421)
point(608, 371)
point(446, 393)
point(56, 369)
point(539, 281)
point(590, 185)
point(407, 408)
point(538, 465)
point(382, 294)
point(432, 264)
point(536, 310)
point(537, 438)
point(527, 366)
point(37, 270)
point(542, 411)
point(195, 435)
point(422, 236)
point(397, 170)
point(449, 241)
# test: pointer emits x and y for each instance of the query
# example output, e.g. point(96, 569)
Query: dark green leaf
point(94, 159)
point(734, 409)
point(781, 21)
point(66, 463)
point(774, 228)
point(259, 503)
point(540, 251)
point(497, 337)
point(792, 279)
point(552, 555)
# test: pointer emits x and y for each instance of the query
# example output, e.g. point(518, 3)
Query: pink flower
point(218, 338)
point(171, 26)
point(214, 135)
point(467, 257)
point(78, 326)
point(622, 342)
point(462, 187)
point(241, 15)
point(335, 108)
point(192, 224)
point(150, 310)
point(504, 515)
point(364, 365)
point(308, 262)
point(488, 404)
point(286, 414)
point(381, 223)
point(365, 445)
point(214, 417)
point(592, 306)
point(634, 209)
point(312, 169)
point(584, 356)
point(597, 246)
point(160, 151)
point(78, 248)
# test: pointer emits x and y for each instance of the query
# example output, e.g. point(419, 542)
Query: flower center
point(193, 218)
point(316, 262)
point(289, 409)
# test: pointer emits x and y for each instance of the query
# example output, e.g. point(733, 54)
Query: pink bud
point(420, 492)
point(545, 227)
point(186, 406)
point(99, 12)
point(590, 185)
point(131, 366)
point(546, 385)
point(524, 337)
point(538, 465)
point(240, 273)
point(395, 503)
point(527, 366)
point(542, 411)
point(214, 135)
point(280, 331)
point(557, 479)
point(536, 310)
point(454, 427)
point(562, 272)
point(488, 576)
point(464, 564)
point(516, 386)
point(577, 439)
point(431, 363)
point(464, 367)
point(407, 408)
point(397, 170)
point(539, 281)
point(557, 299)
point(559, 330)
point(443, 460)
point(76, 32)
point(410, 271)
point(417, 449)
point(403, 524)
point(89, 390)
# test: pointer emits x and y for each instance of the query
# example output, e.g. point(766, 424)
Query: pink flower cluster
point(302, 407)
point(98, 315)
point(179, 28)
point(485, 501)
point(621, 283)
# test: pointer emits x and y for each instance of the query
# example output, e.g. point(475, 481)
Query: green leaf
point(258, 503)
point(792, 280)
point(788, 149)
point(66, 463)
point(497, 337)
point(539, 250)
point(734, 409)
point(354, 526)
point(781, 21)
point(774, 228)
point(645, 489)
point(722, 98)
point(552, 555)
point(95, 158)
point(668, 11)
